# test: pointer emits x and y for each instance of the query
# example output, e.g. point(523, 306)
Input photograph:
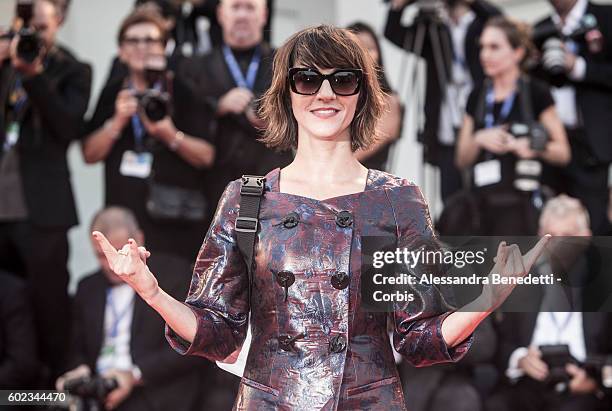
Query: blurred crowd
point(515, 118)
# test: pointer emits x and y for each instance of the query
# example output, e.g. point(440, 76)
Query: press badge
point(136, 164)
point(487, 173)
point(12, 135)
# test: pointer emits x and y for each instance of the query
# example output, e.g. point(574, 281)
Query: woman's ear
point(519, 55)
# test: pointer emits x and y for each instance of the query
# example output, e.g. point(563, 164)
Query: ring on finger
point(123, 252)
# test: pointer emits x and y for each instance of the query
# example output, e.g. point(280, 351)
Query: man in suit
point(231, 78)
point(552, 322)
point(451, 50)
point(42, 103)
point(583, 97)
point(117, 335)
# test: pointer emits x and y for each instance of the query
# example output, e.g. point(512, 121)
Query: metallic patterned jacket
point(312, 346)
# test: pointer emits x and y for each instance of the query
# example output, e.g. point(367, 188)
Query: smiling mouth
point(325, 112)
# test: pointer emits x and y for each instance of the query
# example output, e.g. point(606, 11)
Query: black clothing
point(541, 99)
point(37, 247)
point(238, 151)
point(170, 382)
point(586, 177)
point(397, 34)
point(18, 356)
point(179, 238)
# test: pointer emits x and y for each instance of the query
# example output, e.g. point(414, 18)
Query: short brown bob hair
point(143, 16)
point(323, 47)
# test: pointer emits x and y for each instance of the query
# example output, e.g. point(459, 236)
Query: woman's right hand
point(129, 264)
point(496, 140)
point(126, 105)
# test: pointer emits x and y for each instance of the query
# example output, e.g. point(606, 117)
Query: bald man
point(230, 79)
point(116, 335)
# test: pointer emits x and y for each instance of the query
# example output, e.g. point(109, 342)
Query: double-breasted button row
point(291, 220)
point(285, 342)
point(339, 280)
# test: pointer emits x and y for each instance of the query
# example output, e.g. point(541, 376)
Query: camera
point(96, 387)
point(551, 42)
point(155, 101)
point(30, 44)
point(528, 172)
point(557, 357)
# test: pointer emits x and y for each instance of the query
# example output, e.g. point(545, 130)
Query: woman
point(390, 123)
point(143, 158)
point(486, 145)
point(312, 346)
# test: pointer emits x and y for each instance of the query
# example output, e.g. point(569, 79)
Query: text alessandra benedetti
point(493, 278)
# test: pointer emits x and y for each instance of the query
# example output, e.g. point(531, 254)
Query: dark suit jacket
point(18, 356)
point(238, 151)
point(57, 101)
point(170, 382)
point(397, 34)
point(594, 93)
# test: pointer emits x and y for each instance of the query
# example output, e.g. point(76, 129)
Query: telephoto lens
point(29, 45)
point(553, 56)
point(155, 104)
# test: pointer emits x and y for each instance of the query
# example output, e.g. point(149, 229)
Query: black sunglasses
point(308, 81)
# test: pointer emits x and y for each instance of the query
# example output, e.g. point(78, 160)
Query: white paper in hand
point(237, 368)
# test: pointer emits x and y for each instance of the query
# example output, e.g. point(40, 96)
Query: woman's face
point(497, 55)
point(370, 45)
point(139, 42)
point(324, 115)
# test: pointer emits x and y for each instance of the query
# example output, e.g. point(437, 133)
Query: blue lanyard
point(234, 67)
point(137, 128)
point(505, 110)
point(117, 317)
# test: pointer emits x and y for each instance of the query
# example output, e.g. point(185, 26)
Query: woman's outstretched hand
point(130, 264)
point(509, 262)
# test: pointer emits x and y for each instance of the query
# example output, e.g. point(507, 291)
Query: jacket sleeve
point(62, 108)
point(417, 332)
point(218, 294)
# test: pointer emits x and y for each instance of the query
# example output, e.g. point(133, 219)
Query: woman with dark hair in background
point(390, 123)
point(314, 346)
point(502, 157)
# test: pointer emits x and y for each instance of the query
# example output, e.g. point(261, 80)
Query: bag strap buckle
point(252, 185)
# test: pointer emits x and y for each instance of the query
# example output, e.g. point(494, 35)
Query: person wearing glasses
point(313, 344)
point(141, 153)
point(43, 97)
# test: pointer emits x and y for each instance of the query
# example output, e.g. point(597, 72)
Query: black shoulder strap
point(525, 96)
point(479, 113)
point(251, 192)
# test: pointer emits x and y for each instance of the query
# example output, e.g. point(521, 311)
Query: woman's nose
point(326, 92)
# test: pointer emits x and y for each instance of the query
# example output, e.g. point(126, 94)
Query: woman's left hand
point(509, 263)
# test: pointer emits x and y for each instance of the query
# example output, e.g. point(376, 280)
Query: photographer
point(452, 32)
point(577, 61)
point(119, 339)
point(230, 79)
point(44, 92)
point(528, 338)
point(149, 131)
point(504, 165)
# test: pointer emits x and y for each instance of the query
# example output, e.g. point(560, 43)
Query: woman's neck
point(505, 83)
point(326, 161)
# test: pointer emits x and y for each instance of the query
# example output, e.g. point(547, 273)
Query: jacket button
point(340, 280)
point(285, 342)
point(291, 220)
point(337, 344)
point(285, 279)
point(344, 219)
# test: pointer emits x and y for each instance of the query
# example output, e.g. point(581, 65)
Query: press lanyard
point(137, 128)
point(234, 67)
point(504, 112)
point(117, 317)
point(563, 326)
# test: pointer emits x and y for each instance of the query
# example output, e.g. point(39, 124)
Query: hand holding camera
point(533, 365)
point(496, 140)
point(126, 105)
point(125, 383)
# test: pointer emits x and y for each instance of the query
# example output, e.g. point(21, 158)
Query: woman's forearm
point(459, 325)
point(467, 147)
point(177, 315)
